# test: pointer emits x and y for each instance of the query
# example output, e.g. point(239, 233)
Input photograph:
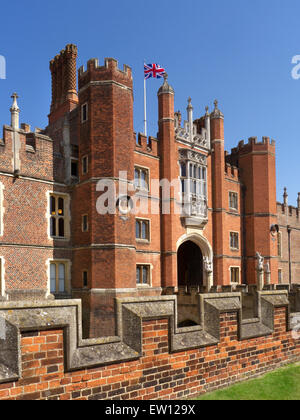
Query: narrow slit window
point(85, 223)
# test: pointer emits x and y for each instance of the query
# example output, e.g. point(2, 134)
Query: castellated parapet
point(33, 152)
point(144, 144)
point(43, 355)
point(110, 71)
point(253, 145)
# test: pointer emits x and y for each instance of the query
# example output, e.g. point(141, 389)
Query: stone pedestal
point(260, 280)
point(268, 278)
point(209, 281)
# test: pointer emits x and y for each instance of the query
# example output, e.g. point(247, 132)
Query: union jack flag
point(153, 70)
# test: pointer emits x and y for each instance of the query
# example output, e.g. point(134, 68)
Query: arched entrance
point(190, 265)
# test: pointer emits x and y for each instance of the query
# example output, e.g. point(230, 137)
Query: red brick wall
point(157, 374)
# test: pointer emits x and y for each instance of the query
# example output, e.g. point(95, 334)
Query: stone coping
point(18, 317)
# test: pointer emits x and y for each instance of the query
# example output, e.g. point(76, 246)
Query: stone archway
point(200, 249)
point(189, 265)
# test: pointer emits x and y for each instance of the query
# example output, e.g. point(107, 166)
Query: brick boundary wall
point(156, 372)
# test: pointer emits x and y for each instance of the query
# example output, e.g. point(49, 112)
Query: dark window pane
point(61, 227)
point(52, 226)
point(74, 169)
point(85, 223)
point(84, 113)
point(145, 275)
point(183, 169)
point(52, 205)
point(85, 279)
point(61, 206)
point(137, 230)
point(84, 165)
point(138, 275)
point(144, 230)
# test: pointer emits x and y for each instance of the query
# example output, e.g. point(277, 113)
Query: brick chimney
point(64, 86)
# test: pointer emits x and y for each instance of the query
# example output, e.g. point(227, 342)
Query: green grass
point(282, 384)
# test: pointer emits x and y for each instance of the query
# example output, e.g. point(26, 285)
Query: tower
point(256, 161)
point(168, 172)
point(219, 203)
point(104, 241)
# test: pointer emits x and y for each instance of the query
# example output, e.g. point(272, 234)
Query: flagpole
point(145, 108)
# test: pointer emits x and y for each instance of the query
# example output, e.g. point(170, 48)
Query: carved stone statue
point(208, 265)
point(260, 263)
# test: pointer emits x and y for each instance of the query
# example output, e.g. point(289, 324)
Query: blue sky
point(237, 51)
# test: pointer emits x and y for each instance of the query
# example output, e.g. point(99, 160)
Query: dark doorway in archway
point(190, 265)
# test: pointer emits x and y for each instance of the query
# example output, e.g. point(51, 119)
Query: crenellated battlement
point(254, 145)
point(109, 71)
point(144, 144)
point(232, 171)
point(292, 212)
point(26, 152)
point(221, 349)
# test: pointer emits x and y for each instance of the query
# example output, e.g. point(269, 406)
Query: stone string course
point(43, 355)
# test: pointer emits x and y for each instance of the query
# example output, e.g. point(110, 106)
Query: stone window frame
point(148, 222)
point(67, 263)
point(235, 268)
point(140, 266)
point(66, 217)
point(141, 169)
point(231, 244)
point(86, 105)
point(235, 193)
